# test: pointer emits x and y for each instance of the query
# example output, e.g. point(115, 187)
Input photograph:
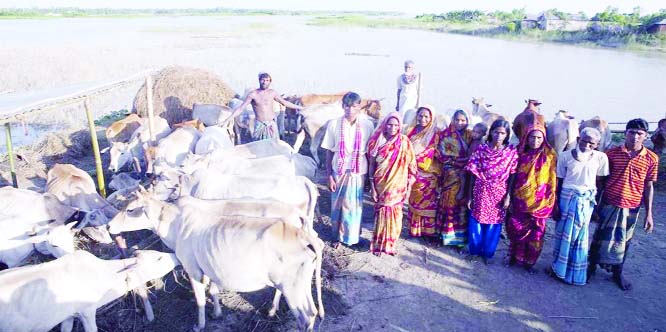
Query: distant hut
point(657, 27)
point(573, 22)
point(176, 89)
point(529, 22)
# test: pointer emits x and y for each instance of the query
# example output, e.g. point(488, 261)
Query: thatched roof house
point(573, 22)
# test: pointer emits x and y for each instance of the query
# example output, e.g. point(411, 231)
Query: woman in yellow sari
point(452, 153)
point(424, 136)
point(533, 198)
point(392, 169)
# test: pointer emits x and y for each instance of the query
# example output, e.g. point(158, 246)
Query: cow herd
point(238, 217)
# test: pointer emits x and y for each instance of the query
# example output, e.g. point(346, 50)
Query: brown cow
point(121, 130)
point(659, 138)
point(196, 124)
point(371, 107)
point(602, 126)
point(528, 118)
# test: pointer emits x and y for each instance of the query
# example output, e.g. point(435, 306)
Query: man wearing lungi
point(633, 170)
point(346, 141)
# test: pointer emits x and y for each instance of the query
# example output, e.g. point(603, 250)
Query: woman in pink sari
point(491, 168)
point(392, 169)
point(424, 136)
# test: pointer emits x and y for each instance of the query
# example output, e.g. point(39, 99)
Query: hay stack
point(176, 88)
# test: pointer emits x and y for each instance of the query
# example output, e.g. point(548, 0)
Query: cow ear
point(105, 150)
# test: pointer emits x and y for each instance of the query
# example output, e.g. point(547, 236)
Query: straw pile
point(176, 88)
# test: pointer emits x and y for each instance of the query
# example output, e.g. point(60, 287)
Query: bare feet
point(511, 261)
point(336, 245)
point(377, 253)
point(622, 282)
point(530, 269)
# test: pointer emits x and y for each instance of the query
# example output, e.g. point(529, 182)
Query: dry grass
point(176, 88)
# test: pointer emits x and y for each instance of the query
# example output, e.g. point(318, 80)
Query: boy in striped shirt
point(633, 170)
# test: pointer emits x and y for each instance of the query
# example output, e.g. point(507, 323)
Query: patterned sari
point(395, 169)
point(425, 190)
point(452, 212)
point(533, 199)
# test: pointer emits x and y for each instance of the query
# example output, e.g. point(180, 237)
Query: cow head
point(119, 154)
point(56, 240)
point(372, 108)
point(479, 107)
point(149, 265)
point(138, 214)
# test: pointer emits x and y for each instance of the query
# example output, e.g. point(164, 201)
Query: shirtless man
point(265, 126)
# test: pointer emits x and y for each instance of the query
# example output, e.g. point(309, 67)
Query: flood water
point(617, 85)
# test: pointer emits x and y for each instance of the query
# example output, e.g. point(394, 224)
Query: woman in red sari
point(424, 135)
point(452, 152)
point(533, 198)
point(392, 169)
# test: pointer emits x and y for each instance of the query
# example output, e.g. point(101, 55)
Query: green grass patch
point(112, 117)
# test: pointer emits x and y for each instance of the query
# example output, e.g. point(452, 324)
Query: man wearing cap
point(265, 126)
point(528, 118)
point(633, 170)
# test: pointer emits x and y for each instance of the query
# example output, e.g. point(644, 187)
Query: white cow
point(173, 149)
point(213, 138)
point(121, 153)
point(18, 240)
point(32, 206)
point(38, 297)
point(298, 191)
point(562, 132)
point(273, 253)
point(76, 188)
point(258, 149)
point(295, 164)
point(266, 208)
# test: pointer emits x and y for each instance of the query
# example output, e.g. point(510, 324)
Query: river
point(39, 55)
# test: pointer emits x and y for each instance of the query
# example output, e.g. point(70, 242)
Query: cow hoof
point(272, 312)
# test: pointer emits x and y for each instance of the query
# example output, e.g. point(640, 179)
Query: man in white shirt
point(578, 171)
point(345, 141)
point(409, 89)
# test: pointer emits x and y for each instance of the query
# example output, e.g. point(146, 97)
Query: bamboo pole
point(95, 146)
point(10, 154)
point(149, 96)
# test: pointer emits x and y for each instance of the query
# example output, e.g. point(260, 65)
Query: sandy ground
point(420, 289)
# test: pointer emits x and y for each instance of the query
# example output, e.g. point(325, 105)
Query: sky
point(590, 7)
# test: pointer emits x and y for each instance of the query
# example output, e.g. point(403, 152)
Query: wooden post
point(149, 104)
point(10, 154)
point(95, 146)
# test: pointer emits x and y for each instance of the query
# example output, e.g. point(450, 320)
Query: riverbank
point(625, 40)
